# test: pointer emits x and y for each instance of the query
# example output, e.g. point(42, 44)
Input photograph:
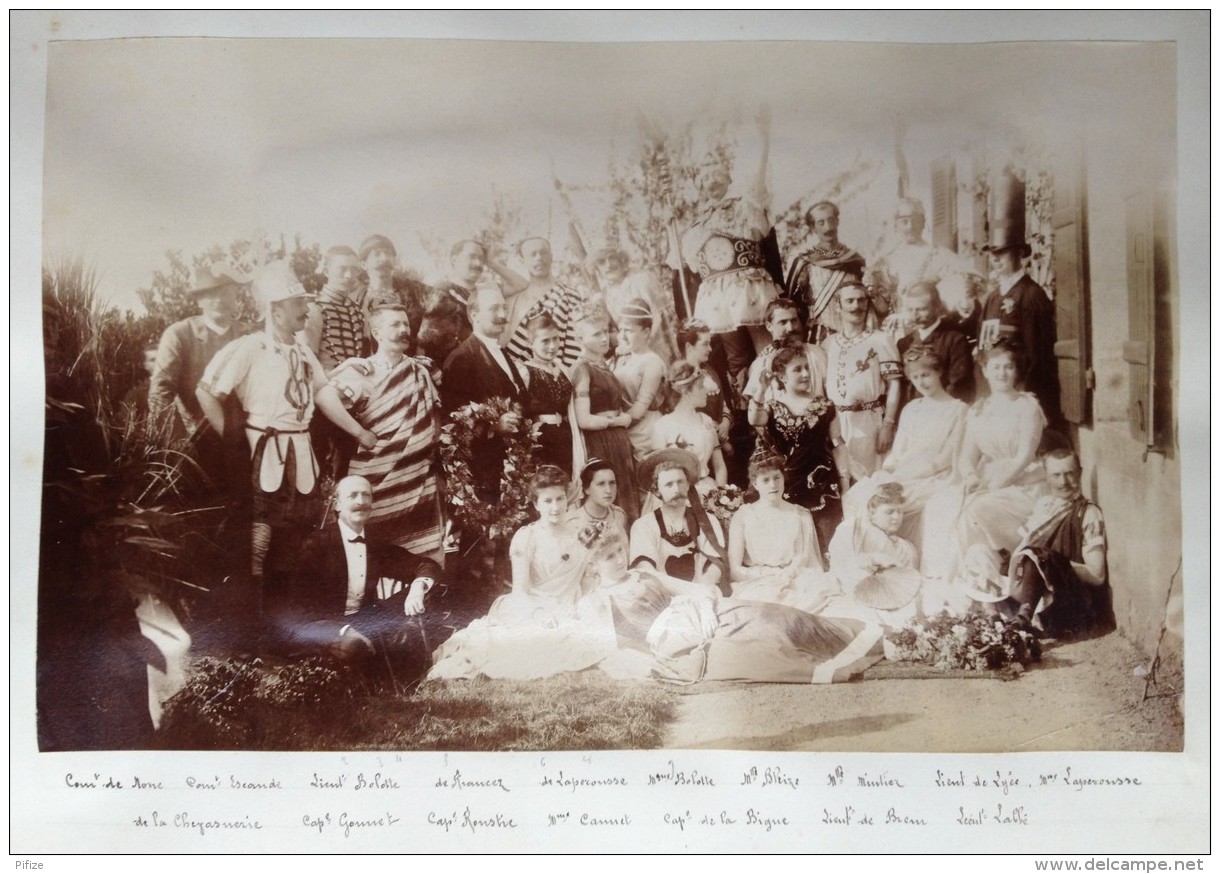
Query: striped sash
point(400, 410)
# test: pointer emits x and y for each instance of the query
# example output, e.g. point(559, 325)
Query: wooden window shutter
point(944, 204)
point(1138, 351)
point(1161, 328)
point(1069, 259)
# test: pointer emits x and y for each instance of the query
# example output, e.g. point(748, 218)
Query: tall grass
point(123, 480)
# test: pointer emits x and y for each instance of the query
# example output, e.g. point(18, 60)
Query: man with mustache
point(678, 538)
point(1058, 573)
point(864, 381)
point(783, 321)
point(912, 259)
point(378, 257)
point(335, 328)
point(187, 346)
point(275, 377)
point(358, 598)
point(814, 275)
point(478, 370)
point(396, 403)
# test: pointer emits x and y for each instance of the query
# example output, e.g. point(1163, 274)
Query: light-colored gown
point(928, 441)
point(996, 425)
point(546, 628)
point(855, 546)
point(686, 638)
point(782, 558)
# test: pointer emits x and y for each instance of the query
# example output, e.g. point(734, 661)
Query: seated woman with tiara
point(774, 554)
point(599, 490)
point(545, 625)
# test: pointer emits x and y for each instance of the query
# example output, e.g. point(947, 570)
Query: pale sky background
point(157, 145)
point(182, 143)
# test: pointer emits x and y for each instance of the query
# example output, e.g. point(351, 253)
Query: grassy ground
point(231, 704)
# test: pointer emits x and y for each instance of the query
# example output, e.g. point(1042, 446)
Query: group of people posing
point(890, 446)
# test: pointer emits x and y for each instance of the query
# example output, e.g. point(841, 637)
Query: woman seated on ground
point(925, 448)
point(641, 373)
point(548, 402)
point(998, 469)
point(601, 407)
point(687, 428)
point(774, 554)
point(874, 565)
point(544, 626)
point(599, 489)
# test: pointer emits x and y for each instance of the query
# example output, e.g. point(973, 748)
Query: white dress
point(782, 561)
point(928, 440)
point(998, 427)
point(547, 628)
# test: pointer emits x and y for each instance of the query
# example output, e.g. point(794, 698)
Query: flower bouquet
point(723, 501)
point(974, 643)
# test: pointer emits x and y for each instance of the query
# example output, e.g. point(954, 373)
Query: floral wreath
point(477, 422)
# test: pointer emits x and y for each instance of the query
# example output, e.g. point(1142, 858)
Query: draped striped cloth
point(563, 303)
point(398, 403)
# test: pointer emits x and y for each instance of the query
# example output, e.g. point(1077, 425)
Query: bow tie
point(359, 538)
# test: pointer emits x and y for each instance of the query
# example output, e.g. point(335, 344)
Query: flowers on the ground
point(974, 643)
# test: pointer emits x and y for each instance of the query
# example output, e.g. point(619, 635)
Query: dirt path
point(1082, 696)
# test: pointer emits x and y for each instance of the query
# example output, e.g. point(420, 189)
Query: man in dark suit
point(1019, 307)
point(479, 370)
point(362, 601)
point(926, 313)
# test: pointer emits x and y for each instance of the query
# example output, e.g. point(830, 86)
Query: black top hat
point(1007, 218)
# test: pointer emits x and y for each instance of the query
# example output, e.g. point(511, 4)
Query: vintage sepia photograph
point(457, 432)
point(423, 395)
